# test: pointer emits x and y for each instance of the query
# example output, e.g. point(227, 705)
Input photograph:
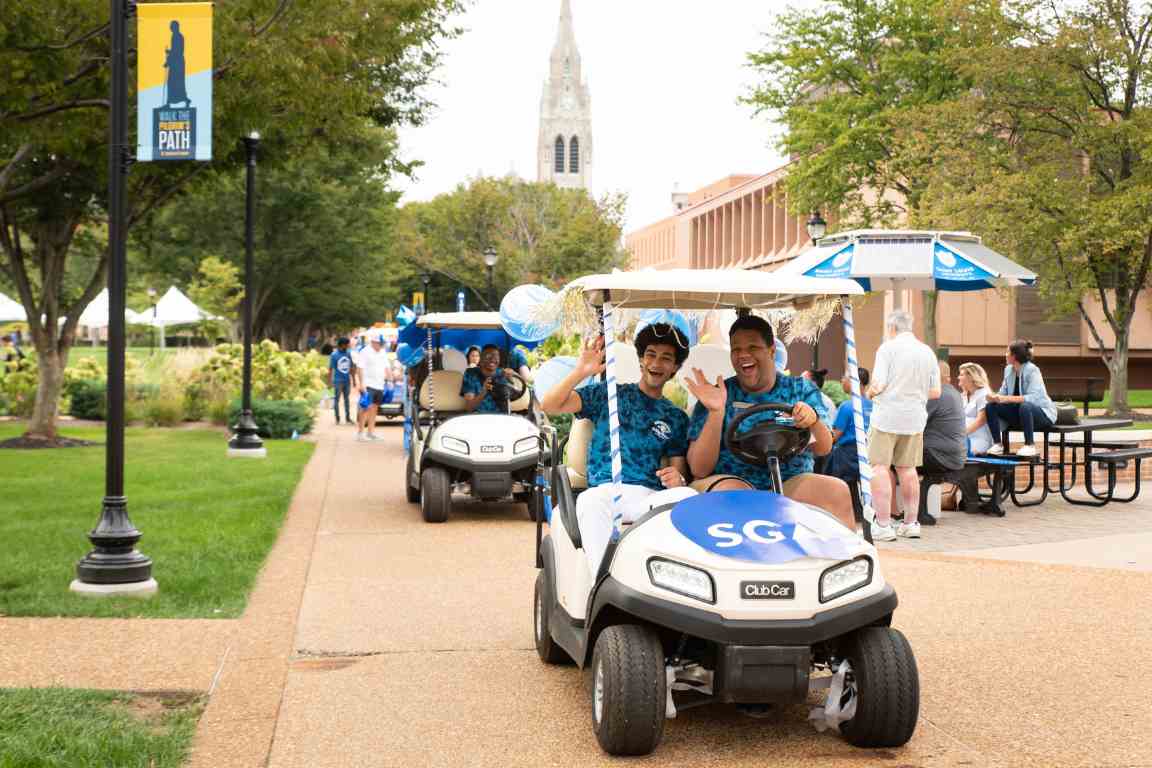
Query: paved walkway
point(373, 639)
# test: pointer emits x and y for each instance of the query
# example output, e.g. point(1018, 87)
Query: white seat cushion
point(444, 386)
point(576, 454)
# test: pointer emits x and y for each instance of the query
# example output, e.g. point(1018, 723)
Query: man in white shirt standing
point(375, 370)
point(904, 379)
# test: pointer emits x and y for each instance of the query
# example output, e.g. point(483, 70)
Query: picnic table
point(1068, 463)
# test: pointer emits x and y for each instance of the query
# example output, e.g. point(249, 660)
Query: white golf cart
point(739, 597)
point(489, 456)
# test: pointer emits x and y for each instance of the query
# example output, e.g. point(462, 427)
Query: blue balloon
point(671, 317)
point(408, 354)
point(781, 356)
point(553, 372)
point(517, 310)
point(404, 316)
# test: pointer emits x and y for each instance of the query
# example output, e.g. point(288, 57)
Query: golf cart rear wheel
point(887, 688)
point(435, 494)
point(546, 647)
point(629, 695)
point(535, 511)
point(411, 491)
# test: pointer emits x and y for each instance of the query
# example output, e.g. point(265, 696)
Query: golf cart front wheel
point(435, 494)
point(412, 492)
point(887, 688)
point(629, 696)
point(546, 647)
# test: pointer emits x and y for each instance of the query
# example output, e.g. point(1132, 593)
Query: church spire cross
point(565, 141)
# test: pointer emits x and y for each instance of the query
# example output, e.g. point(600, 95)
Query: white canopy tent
point(173, 308)
point(11, 311)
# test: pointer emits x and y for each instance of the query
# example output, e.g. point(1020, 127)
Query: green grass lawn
point(208, 521)
point(67, 728)
point(1137, 398)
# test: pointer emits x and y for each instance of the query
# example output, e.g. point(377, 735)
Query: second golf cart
point(488, 456)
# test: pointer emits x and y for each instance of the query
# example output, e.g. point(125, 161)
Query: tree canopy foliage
point(541, 233)
point(302, 72)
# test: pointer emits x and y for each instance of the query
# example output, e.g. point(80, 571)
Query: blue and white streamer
point(857, 407)
point(613, 420)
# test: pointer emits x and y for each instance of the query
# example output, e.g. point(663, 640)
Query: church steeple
point(565, 143)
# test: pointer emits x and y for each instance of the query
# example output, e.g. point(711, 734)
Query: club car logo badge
point(768, 590)
point(491, 449)
point(761, 527)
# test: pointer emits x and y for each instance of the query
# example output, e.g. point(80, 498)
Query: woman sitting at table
point(974, 386)
point(1022, 402)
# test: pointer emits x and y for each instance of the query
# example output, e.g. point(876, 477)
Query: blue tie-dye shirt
point(473, 384)
point(650, 429)
point(788, 389)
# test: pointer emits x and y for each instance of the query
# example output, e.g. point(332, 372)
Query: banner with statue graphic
point(174, 81)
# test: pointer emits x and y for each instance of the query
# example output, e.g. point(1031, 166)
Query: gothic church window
point(559, 155)
point(574, 155)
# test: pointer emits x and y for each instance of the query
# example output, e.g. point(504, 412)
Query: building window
point(1035, 320)
point(558, 155)
point(574, 155)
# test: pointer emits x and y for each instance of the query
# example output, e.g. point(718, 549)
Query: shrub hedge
point(278, 419)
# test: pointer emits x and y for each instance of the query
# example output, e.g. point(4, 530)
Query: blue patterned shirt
point(788, 389)
point(473, 384)
point(650, 429)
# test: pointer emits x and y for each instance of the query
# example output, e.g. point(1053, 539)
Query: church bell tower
point(565, 144)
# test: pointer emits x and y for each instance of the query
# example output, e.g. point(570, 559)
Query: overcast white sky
point(665, 77)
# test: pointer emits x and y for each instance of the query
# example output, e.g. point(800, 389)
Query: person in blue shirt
point(518, 362)
point(652, 429)
point(483, 386)
point(340, 368)
point(756, 381)
point(845, 464)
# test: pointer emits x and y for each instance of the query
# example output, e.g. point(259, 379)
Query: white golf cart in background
point(738, 597)
point(488, 456)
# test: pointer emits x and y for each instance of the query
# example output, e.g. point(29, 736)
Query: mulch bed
point(28, 443)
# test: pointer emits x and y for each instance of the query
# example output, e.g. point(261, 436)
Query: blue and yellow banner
point(174, 81)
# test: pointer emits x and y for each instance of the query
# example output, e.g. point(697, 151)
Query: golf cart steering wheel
point(514, 386)
point(766, 439)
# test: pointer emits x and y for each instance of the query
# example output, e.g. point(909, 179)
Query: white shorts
point(594, 513)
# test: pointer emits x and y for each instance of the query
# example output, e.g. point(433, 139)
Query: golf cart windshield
point(703, 289)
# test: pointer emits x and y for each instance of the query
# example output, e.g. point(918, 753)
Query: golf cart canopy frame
point(479, 321)
point(703, 289)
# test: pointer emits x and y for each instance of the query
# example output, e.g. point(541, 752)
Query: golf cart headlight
point(526, 445)
point(846, 577)
point(681, 579)
point(454, 444)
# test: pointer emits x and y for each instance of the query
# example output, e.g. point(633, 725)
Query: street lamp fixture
point(246, 440)
point(816, 226)
point(490, 259)
point(425, 280)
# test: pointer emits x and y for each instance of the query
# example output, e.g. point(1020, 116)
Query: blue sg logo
point(761, 527)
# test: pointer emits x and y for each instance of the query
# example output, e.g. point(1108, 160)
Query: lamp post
point(490, 259)
point(246, 441)
point(114, 566)
point(816, 226)
point(425, 280)
point(155, 309)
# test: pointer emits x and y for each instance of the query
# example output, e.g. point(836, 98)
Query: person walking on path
point(1022, 402)
point(904, 378)
point(340, 373)
point(374, 368)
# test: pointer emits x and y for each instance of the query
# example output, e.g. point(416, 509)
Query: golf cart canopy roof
point(712, 289)
point(471, 320)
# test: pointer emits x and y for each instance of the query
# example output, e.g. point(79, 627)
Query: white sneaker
point(361, 437)
point(996, 450)
point(883, 532)
point(375, 437)
point(1026, 450)
point(908, 530)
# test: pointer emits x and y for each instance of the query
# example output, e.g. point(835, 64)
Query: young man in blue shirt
point(756, 381)
point(845, 463)
point(483, 386)
point(652, 428)
point(340, 368)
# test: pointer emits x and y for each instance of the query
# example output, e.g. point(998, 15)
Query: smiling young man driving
point(756, 381)
point(479, 385)
point(652, 429)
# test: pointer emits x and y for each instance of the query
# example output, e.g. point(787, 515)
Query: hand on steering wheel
point(804, 416)
point(514, 385)
point(768, 438)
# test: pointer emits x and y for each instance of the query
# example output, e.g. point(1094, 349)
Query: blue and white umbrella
point(883, 260)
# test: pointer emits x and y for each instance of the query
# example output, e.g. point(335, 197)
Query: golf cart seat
point(576, 453)
point(444, 387)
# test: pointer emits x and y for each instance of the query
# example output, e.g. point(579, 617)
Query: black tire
point(411, 491)
point(546, 647)
point(628, 673)
point(887, 688)
point(435, 494)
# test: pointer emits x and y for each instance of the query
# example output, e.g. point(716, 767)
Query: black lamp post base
point(114, 566)
point(246, 442)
